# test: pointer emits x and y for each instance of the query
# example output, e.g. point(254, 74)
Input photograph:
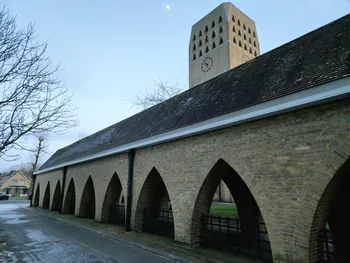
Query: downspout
point(131, 157)
point(62, 193)
point(33, 184)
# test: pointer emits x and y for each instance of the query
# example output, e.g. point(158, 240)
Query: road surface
point(27, 236)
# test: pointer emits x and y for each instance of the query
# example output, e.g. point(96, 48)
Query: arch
point(213, 34)
point(37, 195)
point(244, 27)
point(88, 203)
point(200, 33)
point(254, 43)
point(152, 202)
point(249, 30)
point(200, 43)
point(253, 33)
point(245, 37)
point(239, 43)
point(212, 24)
point(206, 39)
point(239, 33)
point(206, 29)
point(213, 46)
point(194, 57)
point(220, 30)
point(56, 197)
point(255, 54)
point(194, 47)
point(46, 200)
point(250, 50)
point(112, 196)
point(233, 28)
point(69, 201)
point(206, 49)
point(194, 37)
point(248, 210)
point(200, 53)
point(239, 22)
point(332, 212)
point(221, 41)
point(220, 19)
point(234, 40)
point(245, 47)
point(250, 40)
point(233, 18)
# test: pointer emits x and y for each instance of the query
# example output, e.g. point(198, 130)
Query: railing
point(226, 233)
point(326, 252)
point(161, 223)
point(117, 214)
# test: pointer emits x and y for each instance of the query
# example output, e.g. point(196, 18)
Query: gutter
point(131, 158)
point(321, 94)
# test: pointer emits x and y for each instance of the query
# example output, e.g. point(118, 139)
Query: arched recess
point(332, 214)
point(69, 201)
point(37, 195)
point(46, 201)
point(88, 203)
point(112, 197)
point(248, 210)
point(154, 205)
point(56, 197)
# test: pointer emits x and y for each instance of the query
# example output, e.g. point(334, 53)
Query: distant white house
point(16, 183)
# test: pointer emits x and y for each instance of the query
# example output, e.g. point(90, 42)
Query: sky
point(111, 50)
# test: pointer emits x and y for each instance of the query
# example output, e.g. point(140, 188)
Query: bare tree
point(41, 147)
point(163, 91)
point(32, 100)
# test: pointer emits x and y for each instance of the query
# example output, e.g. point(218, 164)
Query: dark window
point(250, 40)
point(234, 40)
point(200, 53)
point(239, 32)
point(200, 33)
point(233, 29)
point(194, 37)
point(206, 49)
point(213, 46)
point(220, 19)
point(221, 41)
point(255, 53)
point(250, 51)
point(206, 29)
point(213, 24)
point(239, 43)
point(253, 34)
point(194, 47)
point(233, 19)
point(239, 22)
point(206, 39)
point(254, 43)
point(220, 30)
point(245, 38)
point(244, 27)
point(245, 47)
point(213, 35)
point(194, 56)
point(200, 43)
point(249, 30)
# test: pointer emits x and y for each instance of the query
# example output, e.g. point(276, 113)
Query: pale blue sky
point(111, 50)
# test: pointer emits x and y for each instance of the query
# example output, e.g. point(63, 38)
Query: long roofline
point(331, 91)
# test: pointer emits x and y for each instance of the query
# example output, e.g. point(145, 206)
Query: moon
point(167, 7)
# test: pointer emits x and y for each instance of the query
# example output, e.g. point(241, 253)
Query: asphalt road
point(26, 236)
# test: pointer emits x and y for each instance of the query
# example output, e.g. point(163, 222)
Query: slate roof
point(316, 58)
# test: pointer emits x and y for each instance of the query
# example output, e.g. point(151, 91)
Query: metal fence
point(326, 252)
point(161, 223)
point(117, 214)
point(226, 233)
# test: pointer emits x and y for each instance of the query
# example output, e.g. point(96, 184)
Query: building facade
point(15, 183)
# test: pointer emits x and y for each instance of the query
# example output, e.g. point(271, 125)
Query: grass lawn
point(18, 198)
point(223, 210)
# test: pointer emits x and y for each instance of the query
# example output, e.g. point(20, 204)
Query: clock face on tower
point(207, 64)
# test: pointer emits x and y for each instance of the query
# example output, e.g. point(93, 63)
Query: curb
point(122, 240)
